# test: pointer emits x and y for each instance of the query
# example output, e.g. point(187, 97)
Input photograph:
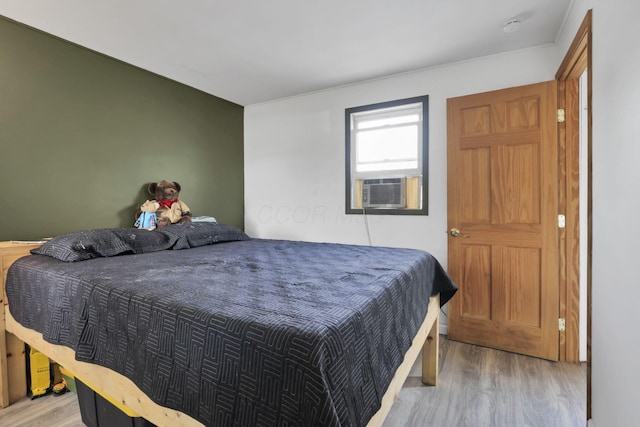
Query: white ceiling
point(251, 51)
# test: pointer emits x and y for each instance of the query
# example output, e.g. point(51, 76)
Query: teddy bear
point(147, 217)
point(170, 210)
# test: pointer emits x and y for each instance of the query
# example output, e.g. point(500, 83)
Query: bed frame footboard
point(107, 381)
point(426, 341)
point(126, 392)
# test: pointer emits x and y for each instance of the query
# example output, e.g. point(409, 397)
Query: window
point(386, 157)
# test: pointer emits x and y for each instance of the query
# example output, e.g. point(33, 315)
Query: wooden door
point(503, 199)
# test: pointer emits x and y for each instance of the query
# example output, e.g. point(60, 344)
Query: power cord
point(366, 225)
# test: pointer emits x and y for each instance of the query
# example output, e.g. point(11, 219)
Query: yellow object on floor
point(40, 373)
point(68, 378)
point(60, 388)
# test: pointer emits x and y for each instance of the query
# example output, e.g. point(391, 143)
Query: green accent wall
point(82, 134)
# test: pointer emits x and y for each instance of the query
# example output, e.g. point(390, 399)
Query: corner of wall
point(444, 329)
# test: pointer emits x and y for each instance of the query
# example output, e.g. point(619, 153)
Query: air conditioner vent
point(383, 193)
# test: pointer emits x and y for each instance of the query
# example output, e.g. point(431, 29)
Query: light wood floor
point(478, 387)
point(481, 387)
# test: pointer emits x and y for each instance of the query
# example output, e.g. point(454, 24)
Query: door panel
point(522, 270)
point(514, 184)
point(503, 197)
point(475, 170)
point(477, 271)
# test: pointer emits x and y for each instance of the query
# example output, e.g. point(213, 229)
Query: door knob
point(457, 233)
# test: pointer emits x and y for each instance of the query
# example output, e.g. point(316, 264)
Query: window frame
point(423, 155)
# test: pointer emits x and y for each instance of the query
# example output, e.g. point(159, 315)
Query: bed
point(200, 324)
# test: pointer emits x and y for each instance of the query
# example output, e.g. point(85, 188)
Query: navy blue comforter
point(243, 333)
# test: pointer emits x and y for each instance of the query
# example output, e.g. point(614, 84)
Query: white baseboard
point(444, 328)
point(590, 423)
point(444, 320)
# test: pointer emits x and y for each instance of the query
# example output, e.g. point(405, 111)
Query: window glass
point(387, 149)
point(386, 157)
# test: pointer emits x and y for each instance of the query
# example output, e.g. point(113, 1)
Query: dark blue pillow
point(107, 242)
point(196, 234)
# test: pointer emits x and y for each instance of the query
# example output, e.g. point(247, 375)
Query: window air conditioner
point(383, 193)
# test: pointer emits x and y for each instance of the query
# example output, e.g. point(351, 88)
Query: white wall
point(294, 177)
point(616, 209)
point(294, 154)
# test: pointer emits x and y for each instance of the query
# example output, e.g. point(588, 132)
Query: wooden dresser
point(12, 368)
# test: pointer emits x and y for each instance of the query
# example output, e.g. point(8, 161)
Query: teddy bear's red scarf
point(167, 203)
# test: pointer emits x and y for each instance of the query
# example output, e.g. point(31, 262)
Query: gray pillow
point(202, 233)
point(107, 242)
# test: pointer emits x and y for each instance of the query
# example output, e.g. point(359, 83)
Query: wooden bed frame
point(13, 385)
